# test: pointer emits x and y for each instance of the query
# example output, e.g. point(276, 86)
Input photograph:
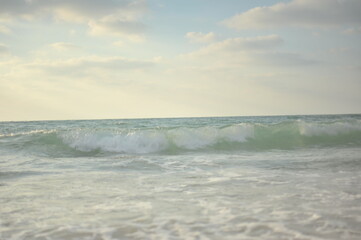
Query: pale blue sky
point(79, 59)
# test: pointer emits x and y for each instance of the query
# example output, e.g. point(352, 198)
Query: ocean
point(276, 177)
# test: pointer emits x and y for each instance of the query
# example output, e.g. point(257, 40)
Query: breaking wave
point(157, 140)
point(173, 140)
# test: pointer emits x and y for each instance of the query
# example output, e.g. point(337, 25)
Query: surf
point(106, 137)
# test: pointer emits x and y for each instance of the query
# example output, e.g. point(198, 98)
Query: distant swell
point(176, 140)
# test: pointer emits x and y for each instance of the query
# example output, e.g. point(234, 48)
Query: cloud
point(299, 13)
point(118, 44)
point(132, 30)
point(63, 46)
point(353, 30)
point(233, 45)
point(120, 17)
point(198, 37)
point(282, 59)
point(236, 52)
point(4, 50)
point(4, 30)
point(89, 66)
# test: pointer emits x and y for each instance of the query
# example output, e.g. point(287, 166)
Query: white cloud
point(129, 29)
point(4, 30)
point(89, 66)
point(250, 52)
point(102, 16)
point(300, 13)
point(63, 46)
point(234, 45)
point(353, 30)
point(199, 37)
point(118, 44)
point(4, 50)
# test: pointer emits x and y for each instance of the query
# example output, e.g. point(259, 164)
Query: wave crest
point(131, 142)
point(156, 140)
point(181, 138)
point(330, 129)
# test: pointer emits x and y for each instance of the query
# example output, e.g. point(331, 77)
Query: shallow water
point(289, 177)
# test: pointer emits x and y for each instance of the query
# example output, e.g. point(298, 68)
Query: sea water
point(281, 177)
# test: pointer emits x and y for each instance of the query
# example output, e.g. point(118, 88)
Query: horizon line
point(144, 118)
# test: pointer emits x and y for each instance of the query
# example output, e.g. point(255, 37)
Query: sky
point(100, 59)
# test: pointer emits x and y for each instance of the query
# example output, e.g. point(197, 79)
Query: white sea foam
point(197, 138)
point(131, 142)
point(206, 137)
point(331, 129)
point(238, 133)
point(218, 178)
point(189, 138)
point(25, 133)
point(149, 141)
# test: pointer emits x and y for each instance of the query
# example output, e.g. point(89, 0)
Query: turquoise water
point(280, 177)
